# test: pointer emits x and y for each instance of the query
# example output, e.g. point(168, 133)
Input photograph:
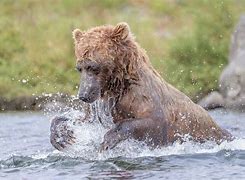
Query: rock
point(232, 79)
point(212, 100)
point(237, 39)
point(237, 104)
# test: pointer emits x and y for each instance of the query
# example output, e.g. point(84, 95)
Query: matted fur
point(146, 105)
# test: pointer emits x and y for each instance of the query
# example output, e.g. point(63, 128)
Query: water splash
point(89, 135)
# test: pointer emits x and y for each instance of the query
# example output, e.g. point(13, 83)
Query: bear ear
point(77, 35)
point(121, 31)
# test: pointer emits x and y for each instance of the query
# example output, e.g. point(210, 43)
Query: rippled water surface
point(26, 153)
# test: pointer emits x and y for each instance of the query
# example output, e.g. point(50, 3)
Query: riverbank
point(48, 102)
point(187, 42)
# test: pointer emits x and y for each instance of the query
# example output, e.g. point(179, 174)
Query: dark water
point(26, 153)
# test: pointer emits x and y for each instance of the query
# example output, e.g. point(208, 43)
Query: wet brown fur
point(146, 106)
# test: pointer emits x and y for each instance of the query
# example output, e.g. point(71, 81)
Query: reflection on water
point(26, 153)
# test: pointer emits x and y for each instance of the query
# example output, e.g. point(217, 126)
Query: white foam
point(89, 136)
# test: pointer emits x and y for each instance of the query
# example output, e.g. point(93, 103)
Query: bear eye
point(93, 68)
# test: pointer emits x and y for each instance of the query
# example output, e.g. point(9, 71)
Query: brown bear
point(112, 65)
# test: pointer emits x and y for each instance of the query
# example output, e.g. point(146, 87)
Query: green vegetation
point(187, 40)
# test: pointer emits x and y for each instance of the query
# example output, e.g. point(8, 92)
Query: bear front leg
point(61, 135)
point(115, 135)
point(152, 132)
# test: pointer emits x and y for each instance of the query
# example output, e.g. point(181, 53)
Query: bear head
point(106, 59)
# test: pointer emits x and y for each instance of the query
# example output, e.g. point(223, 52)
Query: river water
point(26, 153)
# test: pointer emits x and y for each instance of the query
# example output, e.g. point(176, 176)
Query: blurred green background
point(186, 40)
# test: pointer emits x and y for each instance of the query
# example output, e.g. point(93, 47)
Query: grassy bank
point(187, 40)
